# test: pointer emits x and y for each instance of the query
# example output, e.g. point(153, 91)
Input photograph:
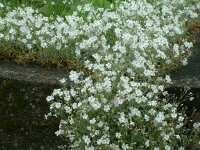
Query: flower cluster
point(117, 105)
point(24, 27)
point(25, 31)
point(114, 104)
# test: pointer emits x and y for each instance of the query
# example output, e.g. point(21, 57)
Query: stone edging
point(31, 73)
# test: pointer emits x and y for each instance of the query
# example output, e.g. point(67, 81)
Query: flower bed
point(123, 56)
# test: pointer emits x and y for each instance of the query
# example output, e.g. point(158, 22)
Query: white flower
point(1, 5)
point(146, 117)
point(134, 112)
point(85, 116)
point(168, 79)
point(178, 136)
point(149, 73)
point(62, 80)
point(152, 111)
point(53, 3)
point(168, 61)
point(147, 143)
point(174, 115)
point(167, 147)
point(71, 121)
point(122, 118)
point(160, 117)
point(97, 57)
point(57, 105)
point(72, 92)
point(50, 98)
point(167, 106)
point(59, 132)
point(75, 105)
point(68, 109)
point(79, 8)
point(74, 76)
point(188, 44)
point(179, 125)
point(118, 135)
point(191, 98)
point(99, 141)
point(185, 62)
point(108, 65)
point(57, 92)
point(93, 121)
point(152, 103)
point(166, 137)
point(100, 124)
point(181, 148)
point(106, 108)
point(125, 146)
point(86, 139)
point(96, 105)
point(91, 148)
point(196, 125)
point(138, 92)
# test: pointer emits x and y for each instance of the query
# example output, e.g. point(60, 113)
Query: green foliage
point(57, 7)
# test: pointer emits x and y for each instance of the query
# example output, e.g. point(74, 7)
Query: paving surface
point(23, 92)
point(31, 73)
point(22, 122)
point(189, 75)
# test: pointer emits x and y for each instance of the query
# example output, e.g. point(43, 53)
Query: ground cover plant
point(34, 35)
point(123, 55)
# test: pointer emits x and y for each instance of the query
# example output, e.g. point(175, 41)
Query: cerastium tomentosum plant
point(42, 36)
point(127, 52)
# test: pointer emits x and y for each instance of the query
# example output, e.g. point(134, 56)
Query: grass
point(57, 7)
